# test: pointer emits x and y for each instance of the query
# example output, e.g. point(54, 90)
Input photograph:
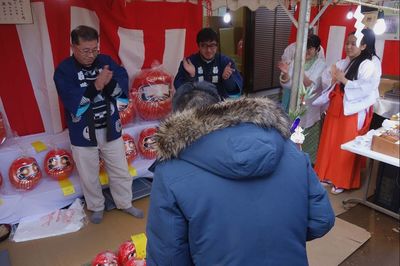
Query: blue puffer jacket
point(232, 189)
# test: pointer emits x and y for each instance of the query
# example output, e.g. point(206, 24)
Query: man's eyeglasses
point(88, 51)
point(208, 45)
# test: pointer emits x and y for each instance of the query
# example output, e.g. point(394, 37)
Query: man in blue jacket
point(230, 187)
point(208, 65)
point(89, 84)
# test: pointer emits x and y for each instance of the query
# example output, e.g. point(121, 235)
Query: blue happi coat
point(77, 93)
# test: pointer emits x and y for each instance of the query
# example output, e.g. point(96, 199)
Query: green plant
point(303, 95)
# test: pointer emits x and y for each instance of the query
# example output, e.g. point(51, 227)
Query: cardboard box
point(386, 85)
point(385, 146)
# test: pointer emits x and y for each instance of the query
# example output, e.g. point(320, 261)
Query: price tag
point(67, 187)
point(39, 146)
point(132, 171)
point(140, 241)
point(103, 176)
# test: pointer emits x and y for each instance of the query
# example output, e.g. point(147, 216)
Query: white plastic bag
point(53, 224)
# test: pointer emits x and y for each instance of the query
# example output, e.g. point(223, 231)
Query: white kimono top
point(313, 113)
point(359, 94)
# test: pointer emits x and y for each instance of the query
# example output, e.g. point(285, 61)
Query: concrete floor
point(74, 249)
point(383, 246)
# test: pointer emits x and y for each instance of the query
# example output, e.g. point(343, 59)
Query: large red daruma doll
point(146, 143)
point(24, 173)
point(130, 148)
point(58, 164)
point(151, 93)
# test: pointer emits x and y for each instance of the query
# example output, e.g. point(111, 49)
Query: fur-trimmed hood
point(183, 128)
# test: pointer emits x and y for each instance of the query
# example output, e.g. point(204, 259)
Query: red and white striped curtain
point(135, 34)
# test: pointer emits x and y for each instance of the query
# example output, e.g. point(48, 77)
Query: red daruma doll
point(130, 148)
point(135, 262)
point(146, 143)
point(126, 110)
point(24, 173)
point(105, 258)
point(126, 251)
point(58, 164)
point(1, 180)
point(152, 93)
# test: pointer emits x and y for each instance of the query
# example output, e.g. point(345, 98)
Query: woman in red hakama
point(349, 113)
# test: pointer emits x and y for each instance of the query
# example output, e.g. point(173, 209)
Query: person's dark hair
point(195, 95)
point(314, 41)
point(369, 40)
point(206, 35)
point(369, 51)
point(84, 33)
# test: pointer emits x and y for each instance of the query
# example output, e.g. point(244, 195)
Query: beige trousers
point(87, 163)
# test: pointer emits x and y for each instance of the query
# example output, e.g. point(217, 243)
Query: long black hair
point(367, 53)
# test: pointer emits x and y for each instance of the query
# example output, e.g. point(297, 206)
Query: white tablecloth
point(365, 150)
point(47, 196)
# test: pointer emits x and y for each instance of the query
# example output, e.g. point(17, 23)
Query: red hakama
point(334, 164)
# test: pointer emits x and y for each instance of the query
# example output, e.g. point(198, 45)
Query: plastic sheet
point(52, 224)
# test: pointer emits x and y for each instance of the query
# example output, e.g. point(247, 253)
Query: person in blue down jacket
point(230, 188)
point(208, 65)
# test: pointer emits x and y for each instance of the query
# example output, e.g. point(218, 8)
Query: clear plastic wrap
point(146, 143)
point(152, 92)
point(131, 152)
point(24, 173)
point(58, 164)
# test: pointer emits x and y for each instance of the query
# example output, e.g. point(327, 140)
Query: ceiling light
point(380, 25)
point(227, 16)
point(350, 14)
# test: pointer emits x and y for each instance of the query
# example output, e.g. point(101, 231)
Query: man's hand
point(103, 78)
point(189, 67)
point(228, 70)
point(283, 67)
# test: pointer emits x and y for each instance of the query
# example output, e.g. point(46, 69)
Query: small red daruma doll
point(126, 110)
point(1, 180)
point(135, 262)
point(130, 148)
point(105, 258)
point(24, 173)
point(146, 143)
point(151, 93)
point(58, 164)
point(126, 251)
